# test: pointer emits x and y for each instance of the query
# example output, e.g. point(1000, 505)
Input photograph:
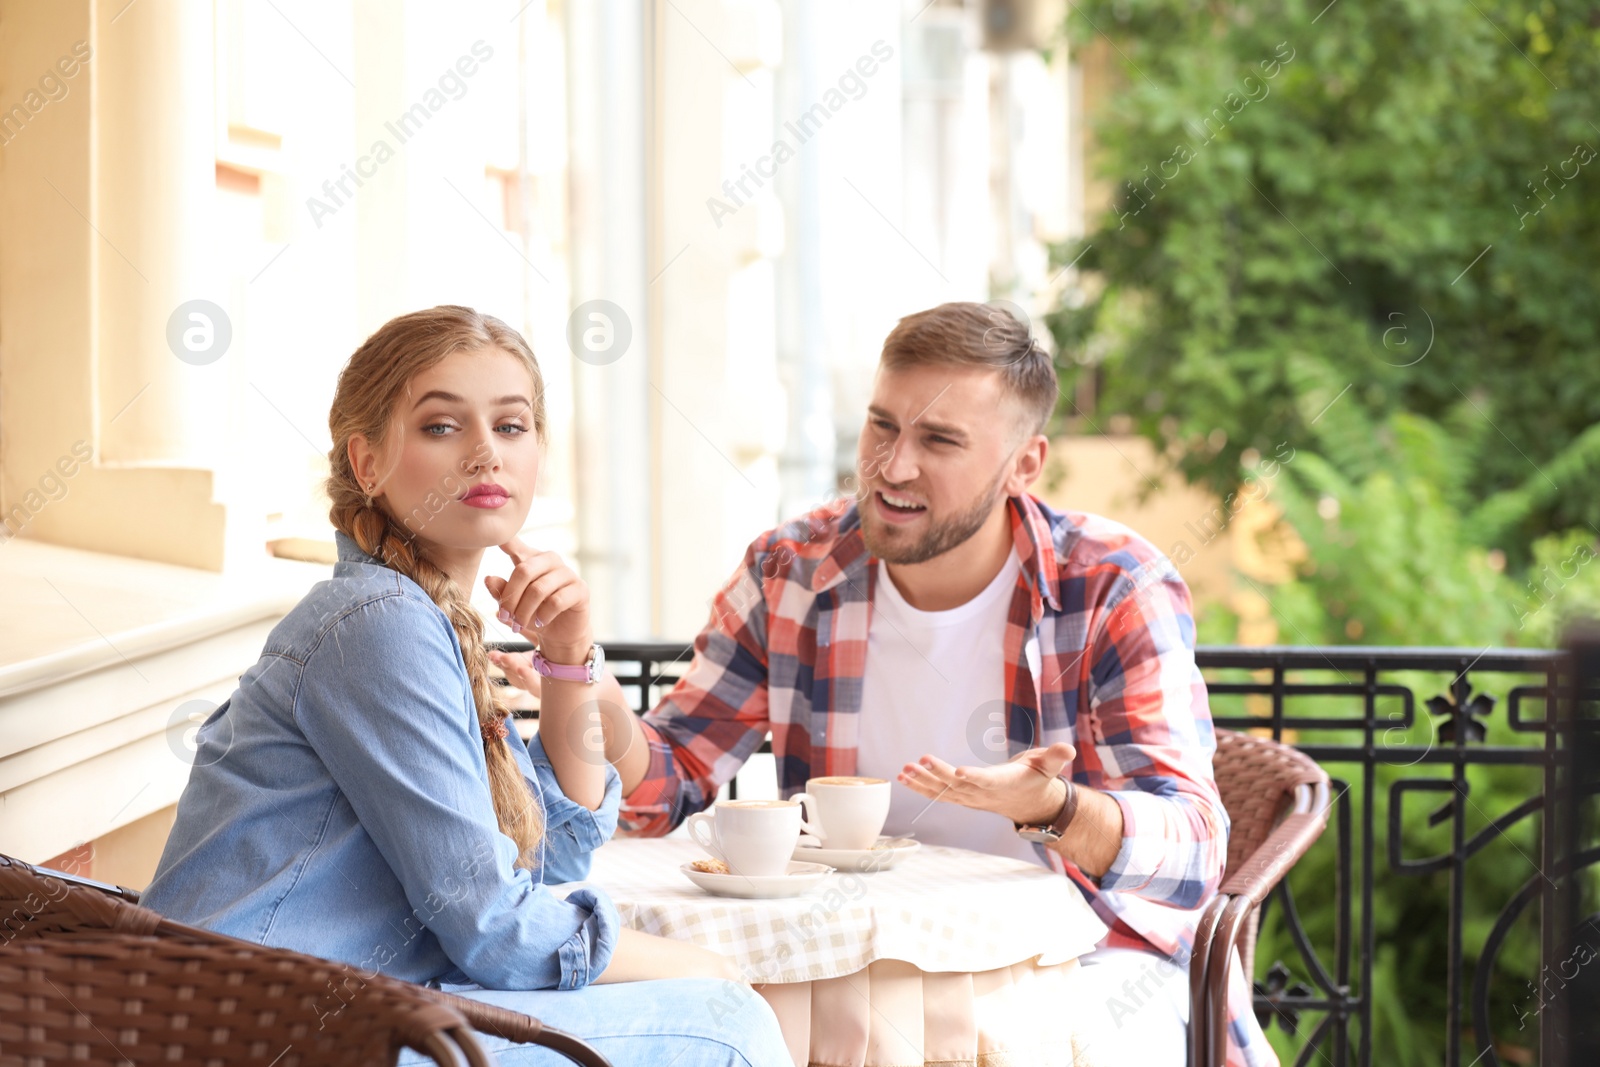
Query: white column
point(722, 411)
point(608, 45)
point(153, 182)
point(807, 475)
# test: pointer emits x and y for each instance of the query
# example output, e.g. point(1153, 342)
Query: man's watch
point(588, 672)
point(1049, 835)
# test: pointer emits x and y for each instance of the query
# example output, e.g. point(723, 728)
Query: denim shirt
point(338, 805)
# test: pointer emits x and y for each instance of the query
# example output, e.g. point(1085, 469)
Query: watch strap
point(565, 672)
point(1069, 808)
point(1063, 819)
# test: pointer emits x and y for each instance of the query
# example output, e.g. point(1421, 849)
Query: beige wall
point(83, 298)
point(126, 856)
point(1226, 556)
point(1122, 478)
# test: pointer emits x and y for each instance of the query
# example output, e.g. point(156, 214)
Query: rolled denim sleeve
point(595, 940)
point(384, 701)
point(571, 831)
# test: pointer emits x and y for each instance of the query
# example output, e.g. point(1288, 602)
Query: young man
point(946, 617)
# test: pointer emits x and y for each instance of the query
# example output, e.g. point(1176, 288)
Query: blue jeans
point(682, 1022)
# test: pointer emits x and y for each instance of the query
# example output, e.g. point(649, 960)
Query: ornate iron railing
point(1355, 711)
point(1379, 755)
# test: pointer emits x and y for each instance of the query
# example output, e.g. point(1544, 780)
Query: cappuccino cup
point(851, 810)
point(755, 838)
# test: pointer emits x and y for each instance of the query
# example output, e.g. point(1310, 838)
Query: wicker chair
point(87, 973)
point(1277, 802)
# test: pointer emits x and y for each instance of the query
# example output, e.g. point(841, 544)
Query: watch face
point(597, 663)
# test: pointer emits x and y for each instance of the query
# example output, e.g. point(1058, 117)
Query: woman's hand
point(640, 957)
point(1023, 790)
point(519, 670)
point(547, 600)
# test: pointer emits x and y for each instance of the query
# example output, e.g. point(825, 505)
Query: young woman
point(360, 795)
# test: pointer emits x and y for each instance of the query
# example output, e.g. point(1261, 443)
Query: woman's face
point(462, 424)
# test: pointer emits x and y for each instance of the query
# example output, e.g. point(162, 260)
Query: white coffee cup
point(851, 810)
point(755, 838)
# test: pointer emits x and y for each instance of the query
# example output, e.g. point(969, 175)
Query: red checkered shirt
point(1099, 652)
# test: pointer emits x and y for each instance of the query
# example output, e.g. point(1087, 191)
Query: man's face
point(933, 459)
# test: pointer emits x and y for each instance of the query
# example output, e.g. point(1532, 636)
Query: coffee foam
point(755, 803)
point(847, 780)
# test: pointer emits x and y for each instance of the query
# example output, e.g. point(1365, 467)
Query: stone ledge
point(96, 654)
point(72, 611)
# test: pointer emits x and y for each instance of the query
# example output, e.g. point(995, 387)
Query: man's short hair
point(965, 334)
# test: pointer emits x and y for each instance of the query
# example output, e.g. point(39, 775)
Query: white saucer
point(801, 877)
point(889, 851)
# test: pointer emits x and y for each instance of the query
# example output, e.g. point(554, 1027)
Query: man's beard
point(939, 538)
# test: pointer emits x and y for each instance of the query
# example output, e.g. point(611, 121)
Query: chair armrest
point(1225, 918)
point(1199, 960)
point(1235, 911)
point(515, 1026)
point(1289, 840)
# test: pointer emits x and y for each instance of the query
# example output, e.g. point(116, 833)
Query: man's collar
point(1030, 532)
point(849, 552)
point(1036, 548)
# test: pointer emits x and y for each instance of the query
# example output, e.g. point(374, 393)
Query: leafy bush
point(1327, 215)
point(1368, 230)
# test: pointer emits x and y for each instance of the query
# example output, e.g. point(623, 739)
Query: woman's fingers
point(529, 606)
point(519, 670)
point(573, 594)
point(523, 575)
point(542, 594)
point(512, 593)
point(550, 598)
point(517, 550)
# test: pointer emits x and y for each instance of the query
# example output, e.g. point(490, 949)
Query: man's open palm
point(1021, 789)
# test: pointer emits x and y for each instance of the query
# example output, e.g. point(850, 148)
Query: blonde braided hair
point(370, 386)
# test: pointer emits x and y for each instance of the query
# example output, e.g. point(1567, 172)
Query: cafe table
point(948, 957)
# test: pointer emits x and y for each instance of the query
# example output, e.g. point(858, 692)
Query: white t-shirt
point(935, 684)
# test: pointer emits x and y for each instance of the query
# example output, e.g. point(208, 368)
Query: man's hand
point(1024, 789)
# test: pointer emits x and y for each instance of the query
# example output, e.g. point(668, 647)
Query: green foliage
point(1563, 585)
point(1391, 561)
point(1369, 231)
point(1326, 216)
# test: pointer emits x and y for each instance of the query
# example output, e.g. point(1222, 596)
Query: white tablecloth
point(940, 909)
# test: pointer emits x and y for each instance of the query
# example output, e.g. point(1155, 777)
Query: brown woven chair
point(119, 998)
point(83, 965)
point(1277, 803)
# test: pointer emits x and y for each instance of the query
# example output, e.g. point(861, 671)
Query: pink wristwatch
point(588, 672)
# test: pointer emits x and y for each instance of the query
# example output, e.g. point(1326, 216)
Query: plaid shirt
point(1099, 652)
